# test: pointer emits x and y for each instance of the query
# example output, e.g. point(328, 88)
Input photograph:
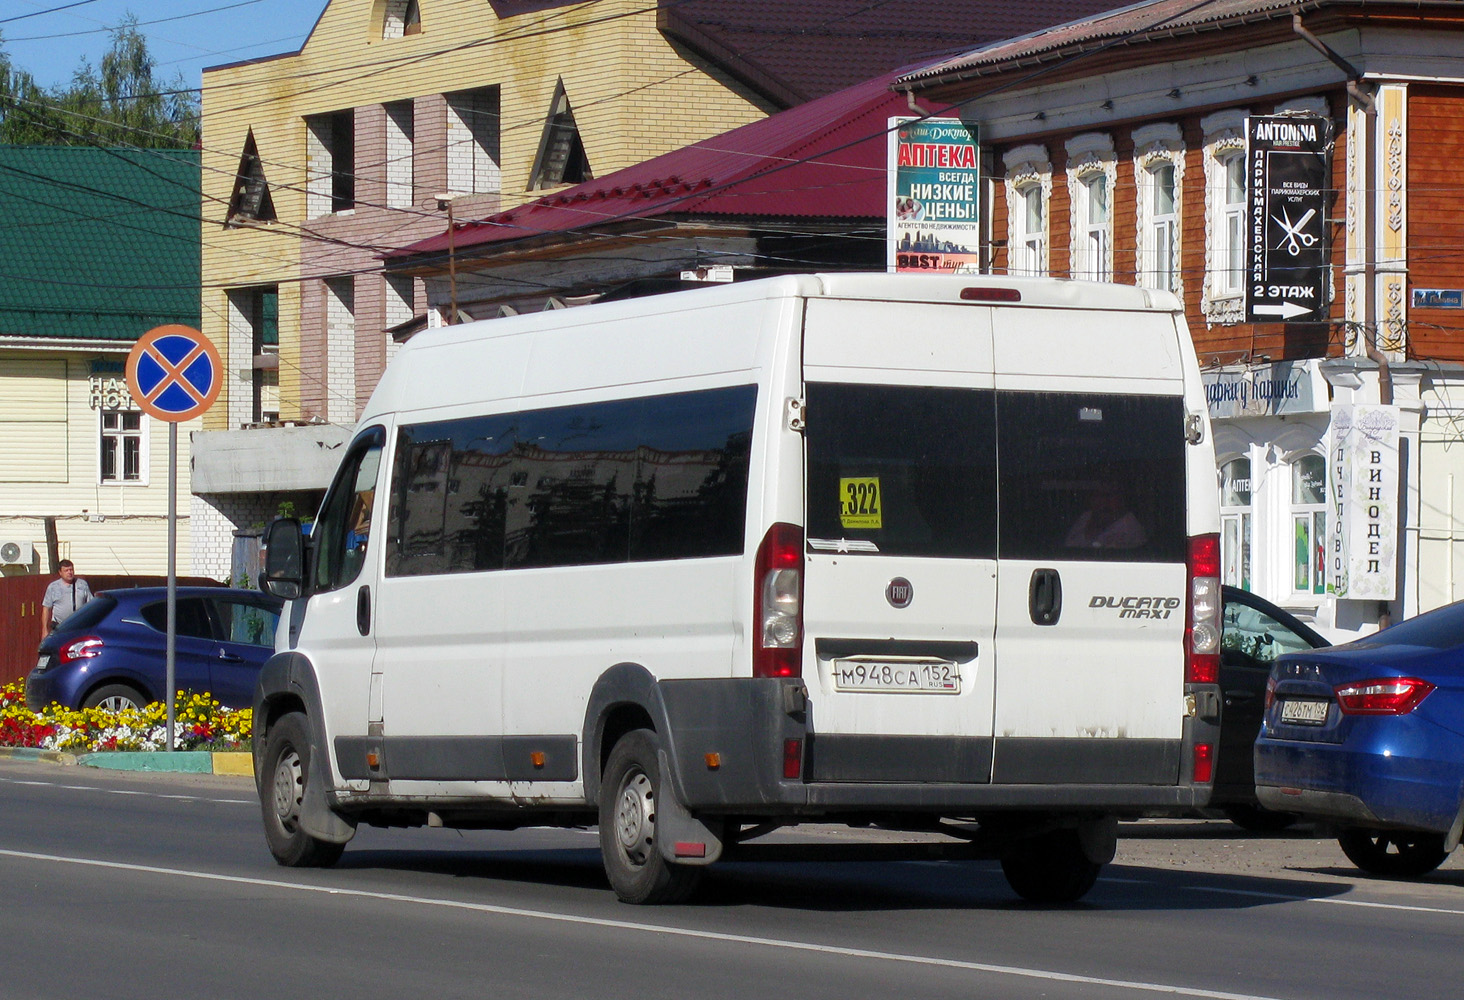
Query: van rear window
point(902, 470)
point(1091, 476)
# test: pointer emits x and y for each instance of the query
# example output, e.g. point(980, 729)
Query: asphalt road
point(159, 886)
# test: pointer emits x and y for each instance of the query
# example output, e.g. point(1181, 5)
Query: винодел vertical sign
point(1363, 549)
point(1288, 170)
point(934, 204)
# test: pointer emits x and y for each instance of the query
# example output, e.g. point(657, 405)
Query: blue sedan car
point(1371, 736)
point(113, 652)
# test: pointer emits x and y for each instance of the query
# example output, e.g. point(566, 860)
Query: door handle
point(1044, 597)
point(363, 611)
point(228, 657)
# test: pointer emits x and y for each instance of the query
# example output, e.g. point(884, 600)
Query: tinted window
point(573, 472)
point(247, 623)
point(908, 469)
point(1253, 638)
point(691, 479)
point(663, 477)
point(1093, 477)
point(193, 620)
point(90, 615)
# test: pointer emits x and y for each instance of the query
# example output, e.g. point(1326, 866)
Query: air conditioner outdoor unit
point(17, 552)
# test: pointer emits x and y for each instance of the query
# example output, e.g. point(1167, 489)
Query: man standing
point(64, 597)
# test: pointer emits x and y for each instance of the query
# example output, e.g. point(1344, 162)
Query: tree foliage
point(118, 104)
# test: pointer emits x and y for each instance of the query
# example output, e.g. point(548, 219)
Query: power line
point(133, 24)
point(51, 10)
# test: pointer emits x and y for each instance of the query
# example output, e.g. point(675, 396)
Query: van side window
point(1092, 477)
point(343, 532)
point(908, 469)
point(662, 477)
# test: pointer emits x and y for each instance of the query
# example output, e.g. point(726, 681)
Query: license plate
point(44, 661)
point(919, 677)
point(1307, 713)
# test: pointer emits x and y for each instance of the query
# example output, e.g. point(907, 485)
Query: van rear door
point(1091, 579)
point(900, 572)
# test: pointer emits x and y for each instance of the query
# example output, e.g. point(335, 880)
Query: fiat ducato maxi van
point(933, 552)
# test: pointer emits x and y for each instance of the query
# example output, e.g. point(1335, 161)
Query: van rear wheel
point(281, 793)
point(629, 790)
point(1050, 868)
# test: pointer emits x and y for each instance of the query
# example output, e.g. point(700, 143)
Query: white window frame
point(1237, 528)
point(1316, 518)
point(144, 452)
point(1091, 156)
point(1155, 147)
point(1222, 297)
point(1028, 171)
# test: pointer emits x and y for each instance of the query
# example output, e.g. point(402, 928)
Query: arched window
point(1309, 523)
point(1235, 523)
point(1030, 229)
point(1159, 173)
point(1091, 175)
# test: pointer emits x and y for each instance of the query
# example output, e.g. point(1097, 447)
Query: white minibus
point(925, 552)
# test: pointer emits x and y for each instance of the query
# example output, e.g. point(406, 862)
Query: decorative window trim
point(1155, 145)
point(1027, 166)
point(1313, 105)
point(1088, 154)
point(1224, 134)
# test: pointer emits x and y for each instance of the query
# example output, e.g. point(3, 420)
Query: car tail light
point(1202, 635)
point(1383, 696)
point(1270, 692)
point(80, 649)
point(778, 603)
point(1204, 763)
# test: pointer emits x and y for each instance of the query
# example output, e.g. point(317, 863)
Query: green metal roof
point(98, 243)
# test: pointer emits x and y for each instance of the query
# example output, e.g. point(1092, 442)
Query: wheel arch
point(625, 697)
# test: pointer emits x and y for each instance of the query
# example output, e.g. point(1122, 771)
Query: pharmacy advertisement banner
point(1289, 249)
point(1363, 552)
point(934, 196)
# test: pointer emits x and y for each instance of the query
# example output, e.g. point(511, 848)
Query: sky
point(50, 43)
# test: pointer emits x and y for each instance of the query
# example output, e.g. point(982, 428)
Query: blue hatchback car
point(113, 652)
point(1371, 735)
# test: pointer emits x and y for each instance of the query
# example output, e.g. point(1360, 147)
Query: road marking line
point(129, 791)
point(627, 925)
point(1254, 894)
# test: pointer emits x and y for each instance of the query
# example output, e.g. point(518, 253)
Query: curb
point(179, 761)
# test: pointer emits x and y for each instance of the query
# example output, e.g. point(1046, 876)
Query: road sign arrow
point(1285, 310)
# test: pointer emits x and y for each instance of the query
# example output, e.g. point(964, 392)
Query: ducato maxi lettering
point(1137, 607)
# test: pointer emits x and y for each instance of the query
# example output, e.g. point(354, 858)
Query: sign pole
point(172, 573)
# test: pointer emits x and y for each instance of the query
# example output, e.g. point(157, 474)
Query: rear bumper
point(1373, 786)
point(747, 725)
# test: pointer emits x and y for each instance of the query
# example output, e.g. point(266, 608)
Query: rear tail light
point(1202, 634)
point(792, 758)
point(80, 649)
point(1204, 763)
point(1270, 692)
point(778, 603)
point(1383, 696)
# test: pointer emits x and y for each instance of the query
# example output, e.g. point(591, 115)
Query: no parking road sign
point(174, 373)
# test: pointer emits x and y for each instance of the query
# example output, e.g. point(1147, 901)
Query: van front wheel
point(1050, 868)
point(629, 790)
point(286, 769)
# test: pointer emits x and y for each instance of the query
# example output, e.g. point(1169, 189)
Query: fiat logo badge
point(899, 593)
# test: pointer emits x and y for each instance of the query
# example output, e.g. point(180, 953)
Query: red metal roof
point(822, 159)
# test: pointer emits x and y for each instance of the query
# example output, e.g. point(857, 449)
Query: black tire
point(1050, 868)
point(281, 790)
point(1258, 819)
point(1393, 853)
point(115, 698)
point(629, 789)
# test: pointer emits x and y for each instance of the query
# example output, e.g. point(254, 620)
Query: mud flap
point(1099, 839)
point(682, 838)
point(317, 818)
point(1455, 831)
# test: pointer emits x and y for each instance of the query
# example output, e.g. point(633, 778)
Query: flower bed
point(199, 723)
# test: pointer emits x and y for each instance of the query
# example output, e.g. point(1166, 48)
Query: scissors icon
point(1295, 238)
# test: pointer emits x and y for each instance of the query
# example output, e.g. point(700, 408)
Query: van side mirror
point(284, 559)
